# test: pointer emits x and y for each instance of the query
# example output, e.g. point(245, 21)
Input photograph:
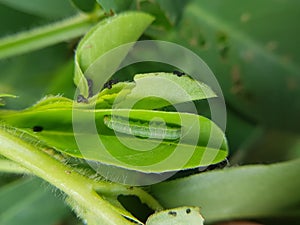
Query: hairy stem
point(77, 187)
point(47, 35)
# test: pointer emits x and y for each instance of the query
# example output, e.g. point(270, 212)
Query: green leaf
point(53, 120)
point(115, 5)
point(258, 191)
point(108, 34)
point(58, 133)
point(153, 7)
point(172, 9)
point(142, 95)
point(42, 8)
point(201, 140)
point(167, 13)
point(178, 216)
point(84, 5)
point(154, 97)
point(26, 202)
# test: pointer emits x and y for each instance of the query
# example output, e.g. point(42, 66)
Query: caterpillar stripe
point(142, 129)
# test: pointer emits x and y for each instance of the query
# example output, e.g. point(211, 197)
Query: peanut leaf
point(167, 89)
point(108, 34)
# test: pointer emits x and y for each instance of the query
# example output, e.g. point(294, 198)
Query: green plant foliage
point(251, 46)
point(255, 191)
point(140, 95)
point(172, 9)
point(54, 130)
point(25, 202)
point(118, 30)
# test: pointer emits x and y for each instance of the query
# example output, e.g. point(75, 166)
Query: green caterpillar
point(142, 129)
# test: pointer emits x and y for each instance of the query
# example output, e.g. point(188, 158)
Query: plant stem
point(47, 35)
point(109, 189)
point(77, 187)
point(101, 187)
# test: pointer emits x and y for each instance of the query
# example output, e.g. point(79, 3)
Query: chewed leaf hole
point(134, 205)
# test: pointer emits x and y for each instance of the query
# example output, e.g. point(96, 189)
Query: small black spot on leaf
point(188, 210)
point(37, 128)
point(178, 73)
point(109, 84)
point(172, 213)
point(219, 165)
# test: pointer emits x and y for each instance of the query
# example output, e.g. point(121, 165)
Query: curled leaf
point(108, 34)
point(148, 91)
